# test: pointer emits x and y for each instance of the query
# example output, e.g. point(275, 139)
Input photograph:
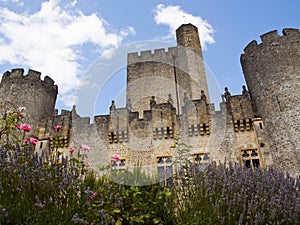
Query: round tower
point(272, 73)
point(38, 96)
point(189, 49)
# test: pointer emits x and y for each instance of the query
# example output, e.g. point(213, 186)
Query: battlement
point(269, 37)
point(148, 115)
point(291, 32)
point(158, 55)
point(18, 75)
point(272, 38)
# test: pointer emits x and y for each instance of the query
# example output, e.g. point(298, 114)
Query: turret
point(272, 72)
point(30, 91)
point(190, 50)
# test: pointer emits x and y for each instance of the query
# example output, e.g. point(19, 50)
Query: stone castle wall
point(38, 96)
point(221, 135)
point(163, 72)
point(258, 128)
point(272, 72)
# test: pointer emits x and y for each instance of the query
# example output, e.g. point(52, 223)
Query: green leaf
point(119, 222)
point(168, 193)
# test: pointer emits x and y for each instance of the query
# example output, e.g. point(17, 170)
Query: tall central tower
point(191, 60)
point(167, 75)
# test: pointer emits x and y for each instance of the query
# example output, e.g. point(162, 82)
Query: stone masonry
point(272, 72)
point(39, 96)
point(168, 102)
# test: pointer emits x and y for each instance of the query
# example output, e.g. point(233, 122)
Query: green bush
point(61, 190)
point(231, 194)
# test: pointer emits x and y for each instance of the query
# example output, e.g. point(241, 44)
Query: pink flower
point(115, 157)
point(24, 127)
point(57, 127)
point(18, 126)
point(26, 141)
point(84, 147)
point(95, 194)
point(71, 150)
point(33, 141)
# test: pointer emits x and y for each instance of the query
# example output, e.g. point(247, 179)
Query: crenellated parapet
point(158, 122)
point(17, 75)
point(272, 38)
point(157, 55)
point(172, 71)
point(259, 60)
point(30, 91)
point(122, 125)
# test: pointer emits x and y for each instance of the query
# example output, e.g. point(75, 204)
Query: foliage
point(34, 191)
point(9, 119)
point(135, 177)
point(62, 190)
point(231, 194)
point(115, 203)
point(182, 154)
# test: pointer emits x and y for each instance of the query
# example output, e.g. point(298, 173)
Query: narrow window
point(255, 163)
point(112, 137)
point(164, 169)
point(247, 163)
point(168, 131)
point(204, 127)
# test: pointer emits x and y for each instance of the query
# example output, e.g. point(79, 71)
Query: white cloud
point(174, 16)
point(51, 41)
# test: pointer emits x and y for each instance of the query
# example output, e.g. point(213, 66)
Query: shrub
point(231, 194)
point(61, 190)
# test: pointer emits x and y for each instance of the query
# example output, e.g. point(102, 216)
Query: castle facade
point(168, 103)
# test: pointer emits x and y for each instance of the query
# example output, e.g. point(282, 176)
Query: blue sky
point(66, 39)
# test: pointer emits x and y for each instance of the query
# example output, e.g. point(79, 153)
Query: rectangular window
point(120, 165)
point(164, 169)
point(250, 157)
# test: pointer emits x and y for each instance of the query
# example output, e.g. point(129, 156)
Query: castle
point(167, 98)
